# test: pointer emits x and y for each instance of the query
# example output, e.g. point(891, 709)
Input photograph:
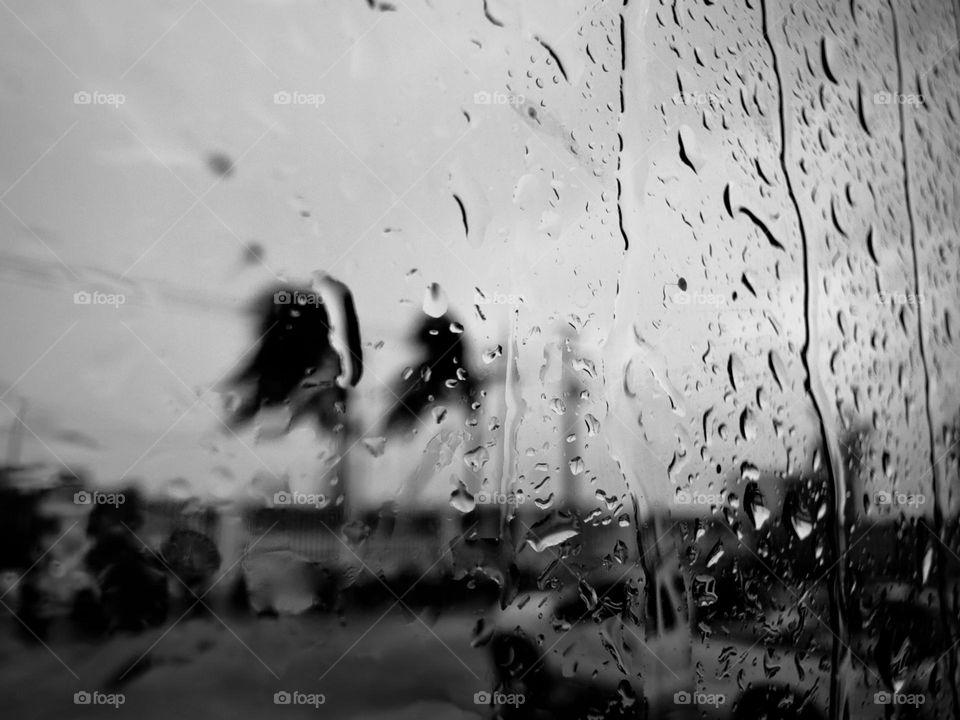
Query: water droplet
point(461, 500)
point(435, 303)
point(551, 539)
point(375, 445)
point(476, 458)
point(716, 552)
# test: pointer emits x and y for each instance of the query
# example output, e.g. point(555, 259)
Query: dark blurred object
point(440, 377)
point(22, 529)
point(31, 610)
point(193, 558)
point(21, 524)
point(908, 638)
point(87, 615)
point(775, 702)
point(121, 518)
point(520, 670)
point(134, 593)
point(220, 164)
point(301, 335)
point(131, 580)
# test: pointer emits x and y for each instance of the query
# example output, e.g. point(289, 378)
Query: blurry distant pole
point(344, 440)
point(15, 438)
point(511, 416)
point(572, 390)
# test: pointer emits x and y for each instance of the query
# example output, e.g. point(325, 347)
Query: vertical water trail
point(514, 410)
point(956, 19)
point(623, 72)
point(938, 531)
point(840, 656)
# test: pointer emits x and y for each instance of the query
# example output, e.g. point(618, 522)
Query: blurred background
point(490, 358)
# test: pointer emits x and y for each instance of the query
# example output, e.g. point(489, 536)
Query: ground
point(397, 668)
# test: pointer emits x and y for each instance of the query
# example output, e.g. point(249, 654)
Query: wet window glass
point(501, 358)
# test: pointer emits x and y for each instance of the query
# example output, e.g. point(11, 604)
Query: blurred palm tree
point(439, 378)
point(308, 353)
